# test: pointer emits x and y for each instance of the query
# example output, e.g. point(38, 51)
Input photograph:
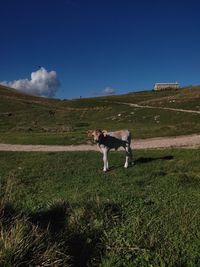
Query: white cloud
point(109, 90)
point(42, 83)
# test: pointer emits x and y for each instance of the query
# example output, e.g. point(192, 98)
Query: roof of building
point(168, 83)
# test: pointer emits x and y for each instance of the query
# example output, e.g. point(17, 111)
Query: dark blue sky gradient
point(127, 45)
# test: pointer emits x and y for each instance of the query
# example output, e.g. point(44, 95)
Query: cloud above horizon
point(109, 90)
point(42, 83)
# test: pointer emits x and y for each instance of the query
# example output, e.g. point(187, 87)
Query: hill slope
point(186, 98)
point(28, 119)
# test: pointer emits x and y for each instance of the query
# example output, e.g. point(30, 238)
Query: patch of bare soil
point(189, 141)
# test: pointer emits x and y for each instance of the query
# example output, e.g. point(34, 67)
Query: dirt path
point(165, 108)
point(190, 141)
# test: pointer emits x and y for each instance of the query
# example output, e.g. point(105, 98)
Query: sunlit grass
point(146, 215)
point(31, 120)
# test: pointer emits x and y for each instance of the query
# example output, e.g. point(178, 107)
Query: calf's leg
point(105, 160)
point(129, 156)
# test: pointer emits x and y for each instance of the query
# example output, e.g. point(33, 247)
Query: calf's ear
point(89, 133)
point(105, 132)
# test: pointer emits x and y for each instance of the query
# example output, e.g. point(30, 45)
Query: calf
point(109, 140)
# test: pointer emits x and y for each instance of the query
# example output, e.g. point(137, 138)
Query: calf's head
point(96, 134)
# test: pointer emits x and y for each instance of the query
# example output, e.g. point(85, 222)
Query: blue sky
point(91, 45)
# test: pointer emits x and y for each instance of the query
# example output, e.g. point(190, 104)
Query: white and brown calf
point(112, 140)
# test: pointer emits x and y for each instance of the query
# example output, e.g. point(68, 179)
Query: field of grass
point(186, 98)
point(25, 119)
point(58, 209)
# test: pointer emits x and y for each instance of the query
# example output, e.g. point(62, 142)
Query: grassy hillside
point(34, 120)
point(58, 209)
point(186, 98)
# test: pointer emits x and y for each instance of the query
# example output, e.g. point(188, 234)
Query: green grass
point(143, 123)
point(184, 98)
point(146, 215)
point(26, 119)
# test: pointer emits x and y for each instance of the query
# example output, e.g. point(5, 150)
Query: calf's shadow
point(142, 160)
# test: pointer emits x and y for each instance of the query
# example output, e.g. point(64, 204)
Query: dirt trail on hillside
point(189, 141)
point(165, 108)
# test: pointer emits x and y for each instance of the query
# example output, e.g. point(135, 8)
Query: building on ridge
point(165, 86)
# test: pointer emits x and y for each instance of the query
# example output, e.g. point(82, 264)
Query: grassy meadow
point(184, 98)
point(60, 209)
point(26, 119)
